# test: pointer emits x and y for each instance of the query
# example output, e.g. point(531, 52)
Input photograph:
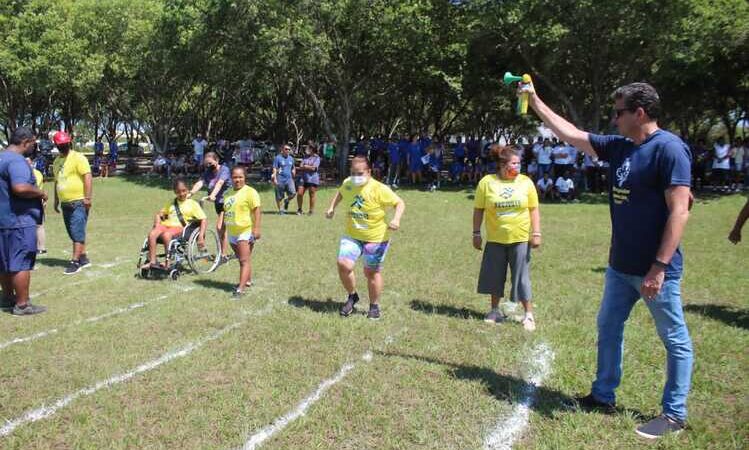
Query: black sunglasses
point(618, 112)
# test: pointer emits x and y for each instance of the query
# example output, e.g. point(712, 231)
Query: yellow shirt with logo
point(506, 207)
point(69, 172)
point(39, 179)
point(190, 209)
point(238, 207)
point(365, 209)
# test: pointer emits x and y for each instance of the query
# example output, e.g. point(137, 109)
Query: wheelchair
point(183, 255)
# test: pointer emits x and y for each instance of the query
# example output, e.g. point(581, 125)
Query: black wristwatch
point(660, 264)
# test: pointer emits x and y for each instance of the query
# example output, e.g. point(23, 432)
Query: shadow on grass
point(734, 317)
point(220, 285)
point(511, 389)
point(53, 262)
point(598, 270)
point(327, 306)
point(445, 310)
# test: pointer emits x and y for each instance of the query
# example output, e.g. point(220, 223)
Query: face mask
point(359, 180)
point(512, 172)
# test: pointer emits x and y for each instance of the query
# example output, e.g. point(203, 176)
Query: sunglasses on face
point(618, 112)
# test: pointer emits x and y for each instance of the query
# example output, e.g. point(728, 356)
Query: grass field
point(183, 365)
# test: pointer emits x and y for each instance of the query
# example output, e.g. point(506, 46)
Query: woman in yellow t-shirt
point(167, 224)
point(507, 203)
point(367, 232)
point(242, 218)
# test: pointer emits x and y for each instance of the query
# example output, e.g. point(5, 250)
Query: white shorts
point(246, 236)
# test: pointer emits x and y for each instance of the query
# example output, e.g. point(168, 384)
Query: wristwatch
point(660, 264)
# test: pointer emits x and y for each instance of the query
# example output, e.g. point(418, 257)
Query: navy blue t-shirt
point(394, 152)
point(17, 212)
point(638, 178)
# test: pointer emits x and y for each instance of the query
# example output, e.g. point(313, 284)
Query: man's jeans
point(620, 294)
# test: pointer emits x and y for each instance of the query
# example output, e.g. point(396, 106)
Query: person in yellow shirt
point(73, 190)
point(41, 236)
point(506, 203)
point(242, 218)
point(367, 232)
point(168, 224)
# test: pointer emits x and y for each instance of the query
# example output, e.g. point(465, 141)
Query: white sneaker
point(529, 323)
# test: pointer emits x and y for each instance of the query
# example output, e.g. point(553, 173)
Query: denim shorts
point(75, 216)
point(285, 189)
point(17, 249)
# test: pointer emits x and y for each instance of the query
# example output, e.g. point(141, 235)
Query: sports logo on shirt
point(358, 202)
point(506, 193)
point(622, 173)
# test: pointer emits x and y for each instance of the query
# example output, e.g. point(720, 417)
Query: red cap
point(61, 138)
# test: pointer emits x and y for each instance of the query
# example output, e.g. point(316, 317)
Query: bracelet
point(660, 264)
point(536, 234)
point(477, 233)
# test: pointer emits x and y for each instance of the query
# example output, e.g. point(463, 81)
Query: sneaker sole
point(72, 273)
point(653, 437)
point(88, 264)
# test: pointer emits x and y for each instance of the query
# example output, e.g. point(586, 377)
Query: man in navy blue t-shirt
point(20, 213)
point(649, 199)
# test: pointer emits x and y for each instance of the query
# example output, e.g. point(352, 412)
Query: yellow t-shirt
point(506, 207)
point(238, 207)
point(69, 172)
point(39, 179)
point(365, 209)
point(190, 209)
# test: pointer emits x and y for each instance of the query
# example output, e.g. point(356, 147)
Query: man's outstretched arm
point(563, 129)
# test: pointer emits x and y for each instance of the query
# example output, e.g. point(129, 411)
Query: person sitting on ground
point(565, 187)
point(545, 187)
point(434, 166)
point(171, 220)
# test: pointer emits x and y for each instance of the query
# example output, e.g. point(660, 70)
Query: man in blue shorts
point(283, 178)
point(20, 213)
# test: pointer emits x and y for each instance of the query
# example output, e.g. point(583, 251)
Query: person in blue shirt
point(649, 179)
point(457, 168)
point(472, 160)
point(415, 164)
point(394, 163)
point(284, 172)
point(434, 165)
point(20, 213)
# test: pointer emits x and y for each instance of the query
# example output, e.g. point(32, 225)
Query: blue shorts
point(75, 216)
point(373, 252)
point(17, 249)
point(285, 189)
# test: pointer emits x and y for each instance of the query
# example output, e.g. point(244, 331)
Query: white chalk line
point(507, 431)
point(46, 411)
point(115, 312)
point(90, 277)
point(258, 438)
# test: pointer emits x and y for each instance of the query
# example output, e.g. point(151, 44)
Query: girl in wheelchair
point(171, 220)
point(242, 217)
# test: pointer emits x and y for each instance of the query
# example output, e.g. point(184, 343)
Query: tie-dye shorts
point(373, 252)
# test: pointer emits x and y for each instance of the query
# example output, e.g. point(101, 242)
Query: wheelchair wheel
point(204, 260)
point(174, 274)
